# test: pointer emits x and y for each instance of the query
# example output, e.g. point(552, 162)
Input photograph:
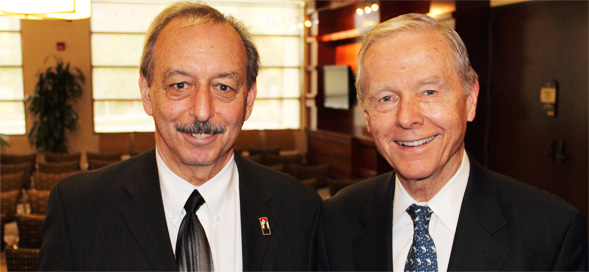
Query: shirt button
point(218, 218)
point(174, 216)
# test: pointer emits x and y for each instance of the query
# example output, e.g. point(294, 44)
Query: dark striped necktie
point(192, 247)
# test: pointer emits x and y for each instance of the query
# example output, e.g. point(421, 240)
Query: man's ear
point(249, 100)
point(145, 95)
point(471, 101)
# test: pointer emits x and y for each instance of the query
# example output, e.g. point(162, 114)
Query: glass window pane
point(113, 116)
point(11, 83)
point(123, 17)
point(116, 83)
point(10, 49)
point(277, 82)
point(9, 23)
point(12, 118)
point(117, 49)
point(266, 20)
point(279, 46)
point(274, 114)
point(278, 51)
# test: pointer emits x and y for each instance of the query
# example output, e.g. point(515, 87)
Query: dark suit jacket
point(113, 219)
point(503, 225)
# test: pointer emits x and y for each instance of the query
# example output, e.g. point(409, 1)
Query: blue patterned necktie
point(422, 255)
point(192, 247)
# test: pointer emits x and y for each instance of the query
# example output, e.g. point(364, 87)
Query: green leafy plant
point(51, 105)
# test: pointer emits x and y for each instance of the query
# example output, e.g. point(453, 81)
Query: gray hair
point(417, 22)
point(197, 14)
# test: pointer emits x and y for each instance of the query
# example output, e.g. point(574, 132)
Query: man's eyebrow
point(172, 72)
point(231, 75)
point(381, 88)
point(434, 80)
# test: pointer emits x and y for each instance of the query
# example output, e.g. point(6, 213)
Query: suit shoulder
point(108, 177)
point(521, 200)
point(367, 190)
point(529, 194)
point(280, 183)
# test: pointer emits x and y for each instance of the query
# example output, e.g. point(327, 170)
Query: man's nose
point(202, 107)
point(409, 113)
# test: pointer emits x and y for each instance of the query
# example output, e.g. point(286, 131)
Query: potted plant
point(51, 105)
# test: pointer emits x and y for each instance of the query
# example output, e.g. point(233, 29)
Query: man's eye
point(386, 99)
point(430, 92)
point(180, 85)
point(224, 88)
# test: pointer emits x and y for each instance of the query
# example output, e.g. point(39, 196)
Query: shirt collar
point(176, 190)
point(445, 204)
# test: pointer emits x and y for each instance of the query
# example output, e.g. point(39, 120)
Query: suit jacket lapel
point(372, 249)
point(474, 246)
point(144, 212)
point(254, 243)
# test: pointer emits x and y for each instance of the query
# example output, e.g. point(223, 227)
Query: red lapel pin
point(265, 225)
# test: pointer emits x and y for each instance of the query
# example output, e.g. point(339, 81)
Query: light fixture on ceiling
point(43, 9)
point(368, 8)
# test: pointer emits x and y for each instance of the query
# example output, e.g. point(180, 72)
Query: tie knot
point(194, 202)
point(420, 215)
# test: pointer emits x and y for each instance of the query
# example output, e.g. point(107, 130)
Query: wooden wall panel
point(332, 148)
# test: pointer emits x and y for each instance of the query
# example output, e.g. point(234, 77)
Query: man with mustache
point(198, 81)
point(439, 210)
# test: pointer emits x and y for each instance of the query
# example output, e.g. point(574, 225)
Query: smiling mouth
point(416, 143)
point(200, 135)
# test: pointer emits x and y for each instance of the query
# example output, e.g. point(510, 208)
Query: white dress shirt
point(446, 209)
point(220, 215)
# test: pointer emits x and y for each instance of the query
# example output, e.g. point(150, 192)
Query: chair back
point(306, 172)
point(11, 181)
point(24, 167)
point(98, 163)
point(59, 167)
point(8, 202)
point(30, 228)
point(285, 160)
point(63, 157)
point(21, 259)
point(38, 201)
point(282, 138)
point(263, 151)
point(45, 181)
point(105, 156)
point(19, 158)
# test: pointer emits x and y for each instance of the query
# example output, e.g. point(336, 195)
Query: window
point(118, 33)
point(12, 106)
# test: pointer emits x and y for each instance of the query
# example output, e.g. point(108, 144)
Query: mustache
point(199, 127)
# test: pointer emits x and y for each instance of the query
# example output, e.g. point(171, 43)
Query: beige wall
point(39, 39)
